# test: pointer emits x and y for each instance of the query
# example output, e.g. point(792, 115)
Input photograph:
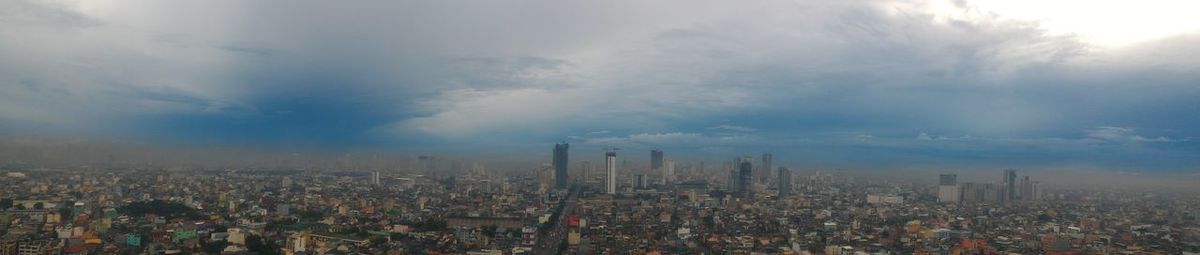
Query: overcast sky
point(1067, 84)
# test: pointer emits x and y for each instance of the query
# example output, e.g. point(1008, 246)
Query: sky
point(826, 83)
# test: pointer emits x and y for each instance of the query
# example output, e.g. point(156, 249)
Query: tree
point(215, 247)
point(258, 245)
point(171, 210)
point(66, 213)
point(379, 242)
point(6, 203)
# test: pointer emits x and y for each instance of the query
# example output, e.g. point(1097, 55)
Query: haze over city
point(792, 127)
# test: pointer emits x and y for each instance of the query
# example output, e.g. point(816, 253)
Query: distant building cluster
point(1008, 190)
point(669, 206)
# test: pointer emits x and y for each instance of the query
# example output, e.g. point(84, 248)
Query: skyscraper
point(656, 159)
point(668, 172)
point(1026, 189)
point(981, 193)
point(1035, 188)
point(785, 181)
point(766, 168)
point(733, 175)
point(732, 180)
point(969, 192)
point(560, 165)
point(744, 177)
point(610, 162)
point(948, 191)
point(1010, 185)
point(427, 165)
point(586, 167)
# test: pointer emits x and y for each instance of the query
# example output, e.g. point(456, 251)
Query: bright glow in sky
point(1105, 22)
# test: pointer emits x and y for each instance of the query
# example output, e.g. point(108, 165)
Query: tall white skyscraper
point(668, 172)
point(610, 162)
point(948, 191)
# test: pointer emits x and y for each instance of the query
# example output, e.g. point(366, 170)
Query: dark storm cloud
point(839, 82)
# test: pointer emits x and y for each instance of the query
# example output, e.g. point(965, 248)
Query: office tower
point(1036, 189)
point(639, 181)
point(766, 168)
point(560, 165)
point(586, 167)
point(545, 175)
point(656, 159)
point(981, 193)
point(375, 178)
point(1010, 185)
point(993, 193)
point(1024, 189)
point(426, 164)
point(745, 186)
point(967, 193)
point(948, 188)
point(732, 181)
point(785, 181)
point(727, 166)
point(610, 163)
point(668, 172)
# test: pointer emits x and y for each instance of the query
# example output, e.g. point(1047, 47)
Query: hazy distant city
point(796, 127)
point(592, 202)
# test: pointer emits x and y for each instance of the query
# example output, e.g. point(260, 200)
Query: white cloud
point(672, 139)
point(924, 136)
point(550, 69)
point(733, 128)
point(466, 112)
point(759, 57)
point(1121, 134)
point(76, 68)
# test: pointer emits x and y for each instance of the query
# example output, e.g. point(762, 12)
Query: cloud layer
point(867, 83)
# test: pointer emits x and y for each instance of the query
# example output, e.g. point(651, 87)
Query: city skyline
point(546, 127)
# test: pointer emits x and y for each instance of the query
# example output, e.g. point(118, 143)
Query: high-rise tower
point(656, 159)
point(1010, 185)
point(745, 183)
point(785, 181)
point(1026, 189)
point(610, 162)
point(668, 172)
point(586, 167)
point(560, 165)
point(948, 191)
point(765, 172)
